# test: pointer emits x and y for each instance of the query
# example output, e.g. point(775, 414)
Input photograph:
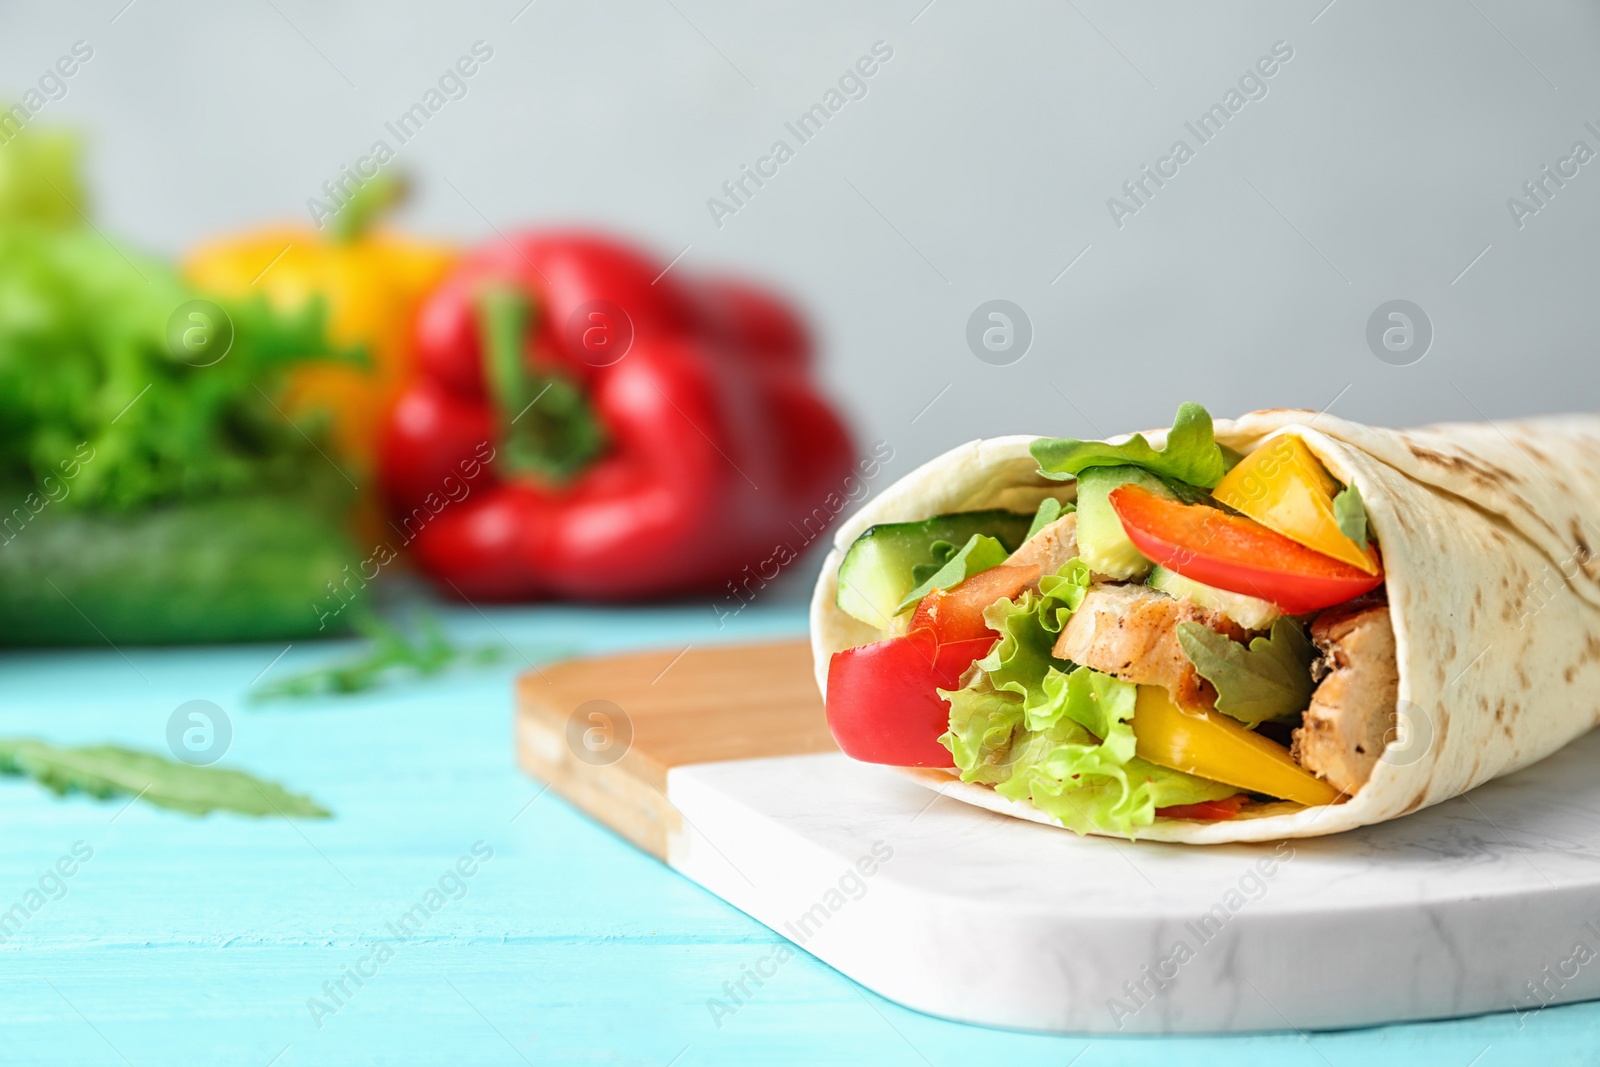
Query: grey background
point(977, 167)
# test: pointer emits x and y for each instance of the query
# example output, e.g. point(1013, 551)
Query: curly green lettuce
point(98, 359)
point(1058, 735)
point(1191, 456)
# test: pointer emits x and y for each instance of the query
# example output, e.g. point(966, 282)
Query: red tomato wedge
point(956, 614)
point(1206, 810)
point(882, 701)
point(1237, 554)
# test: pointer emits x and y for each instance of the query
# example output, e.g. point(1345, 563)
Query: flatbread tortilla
point(1489, 534)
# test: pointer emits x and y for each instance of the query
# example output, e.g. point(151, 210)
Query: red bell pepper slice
point(882, 702)
point(1237, 554)
point(586, 425)
point(1206, 810)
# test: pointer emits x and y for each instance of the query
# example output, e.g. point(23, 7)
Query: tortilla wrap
point(1494, 591)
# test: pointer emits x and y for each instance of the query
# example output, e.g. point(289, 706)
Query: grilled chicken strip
point(1131, 632)
point(1050, 549)
point(1352, 713)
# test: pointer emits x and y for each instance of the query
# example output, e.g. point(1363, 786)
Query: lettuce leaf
point(1028, 626)
point(979, 554)
point(1191, 455)
point(1045, 730)
point(982, 721)
point(1083, 790)
point(1064, 590)
point(1271, 679)
point(1050, 509)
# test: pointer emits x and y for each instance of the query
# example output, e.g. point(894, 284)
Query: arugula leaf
point(391, 652)
point(1351, 514)
point(978, 554)
point(1269, 680)
point(109, 770)
point(1191, 455)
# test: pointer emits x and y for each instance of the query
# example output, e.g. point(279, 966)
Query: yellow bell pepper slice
point(1285, 488)
point(1211, 745)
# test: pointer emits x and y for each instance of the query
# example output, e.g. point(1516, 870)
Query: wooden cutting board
point(605, 732)
point(718, 761)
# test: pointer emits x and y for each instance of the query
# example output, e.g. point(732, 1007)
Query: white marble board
point(1490, 902)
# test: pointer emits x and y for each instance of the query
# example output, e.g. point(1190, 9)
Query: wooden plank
point(604, 732)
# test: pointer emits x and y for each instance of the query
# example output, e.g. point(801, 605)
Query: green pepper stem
point(547, 428)
point(372, 198)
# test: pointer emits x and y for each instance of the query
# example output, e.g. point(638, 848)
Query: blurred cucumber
point(239, 569)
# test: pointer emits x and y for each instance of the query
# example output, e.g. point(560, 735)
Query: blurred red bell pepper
point(586, 426)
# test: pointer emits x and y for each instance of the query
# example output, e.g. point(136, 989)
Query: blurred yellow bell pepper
point(1211, 745)
point(373, 284)
point(1285, 488)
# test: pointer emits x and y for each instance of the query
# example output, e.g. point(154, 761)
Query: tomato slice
point(1206, 810)
point(882, 704)
point(1237, 554)
point(956, 614)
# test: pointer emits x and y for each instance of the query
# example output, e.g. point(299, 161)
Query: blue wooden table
point(228, 940)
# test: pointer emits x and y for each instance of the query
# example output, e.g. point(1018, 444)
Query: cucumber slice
point(1102, 542)
point(1248, 611)
point(877, 571)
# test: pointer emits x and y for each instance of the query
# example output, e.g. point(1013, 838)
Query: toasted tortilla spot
point(1581, 552)
point(1485, 474)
